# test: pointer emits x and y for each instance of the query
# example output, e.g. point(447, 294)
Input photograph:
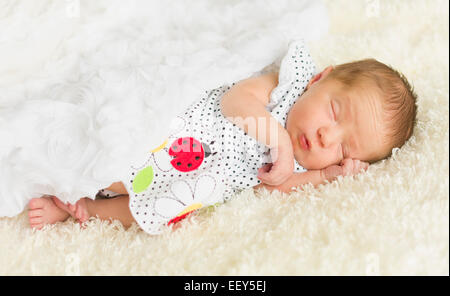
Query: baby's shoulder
point(260, 86)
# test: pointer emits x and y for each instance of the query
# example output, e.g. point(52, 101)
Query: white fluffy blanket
point(86, 85)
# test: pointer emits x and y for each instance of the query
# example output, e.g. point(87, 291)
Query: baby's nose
point(327, 136)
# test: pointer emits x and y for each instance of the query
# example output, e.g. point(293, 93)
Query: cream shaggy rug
point(112, 65)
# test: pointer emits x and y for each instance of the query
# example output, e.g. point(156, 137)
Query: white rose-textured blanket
point(88, 87)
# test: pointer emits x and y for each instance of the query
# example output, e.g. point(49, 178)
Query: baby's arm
point(314, 177)
point(244, 105)
point(345, 168)
point(118, 187)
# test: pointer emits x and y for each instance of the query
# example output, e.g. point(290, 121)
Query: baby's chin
point(302, 163)
point(306, 164)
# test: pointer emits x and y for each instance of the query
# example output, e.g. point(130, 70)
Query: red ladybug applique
point(188, 154)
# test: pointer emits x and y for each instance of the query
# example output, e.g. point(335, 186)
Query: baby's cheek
point(324, 159)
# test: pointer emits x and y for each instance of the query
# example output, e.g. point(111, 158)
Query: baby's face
point(328, 124)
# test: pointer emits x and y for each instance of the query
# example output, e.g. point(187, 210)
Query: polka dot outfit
point(106, 194)
point(206, 159)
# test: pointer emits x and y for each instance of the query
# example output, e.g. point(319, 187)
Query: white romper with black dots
point(206, 159)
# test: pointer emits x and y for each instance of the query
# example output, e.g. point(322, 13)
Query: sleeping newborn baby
point(277, 130)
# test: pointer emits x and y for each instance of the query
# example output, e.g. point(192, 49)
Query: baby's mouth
point(304, 143)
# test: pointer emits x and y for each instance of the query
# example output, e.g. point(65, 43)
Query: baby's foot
point(43, 210)
point(79, 211)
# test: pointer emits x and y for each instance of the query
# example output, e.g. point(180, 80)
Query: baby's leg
point(118, 187)
point(105, 209)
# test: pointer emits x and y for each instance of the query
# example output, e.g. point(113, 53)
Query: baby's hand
point(278, 172)
point(347, 167)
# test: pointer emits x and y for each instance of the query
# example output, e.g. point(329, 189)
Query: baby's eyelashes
point(333, 112)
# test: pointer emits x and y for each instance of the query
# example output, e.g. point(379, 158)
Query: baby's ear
point(320, 76)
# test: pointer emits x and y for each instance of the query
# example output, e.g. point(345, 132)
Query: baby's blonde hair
point(398, 99)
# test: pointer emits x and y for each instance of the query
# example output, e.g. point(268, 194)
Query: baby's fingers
point(353, 166)
point(274, 177)
point(267, 177)
point(359, 166)
point(364, 165)
point(265, 168)
point(347, 166)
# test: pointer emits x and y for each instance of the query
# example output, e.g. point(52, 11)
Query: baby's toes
point(35, 213)
point(81, 211)
point(365, 165)
point(38, 226)
point(73, 209)
point(81, 214)
point(35, 218)
point(36, 222)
